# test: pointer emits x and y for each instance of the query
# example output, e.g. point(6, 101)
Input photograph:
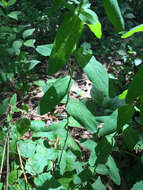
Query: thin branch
point(3, 155)
point(22, 167)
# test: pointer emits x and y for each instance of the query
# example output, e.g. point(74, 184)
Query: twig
point(7, 173)
point(22, 167)
point(3, 155)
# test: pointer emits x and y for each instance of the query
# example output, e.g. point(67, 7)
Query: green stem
point(67, 123)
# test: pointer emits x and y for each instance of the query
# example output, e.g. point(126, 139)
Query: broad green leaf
point(90, 18)
point(125, 113)
point(135, 87)
point(113, 170)
point(42, 178)
point(37, 125)
point(65, 42)
point(132, 31)
point(27, 148)
point(80, 113)
point(28, 32)
point(14, 15)
point(67, 162)
point(114, 14)
point(138, 186)
point(130, 137)
point(98, 185)
point(13, 100)
point(4, 106)
point(102, 169)
point(11, 2)
point(16, 46)
point(23, 125)
point(13, 176)
point(30, 43)
point(97, 74)
point(32, 64)
point(53, 95)
point(110, 123)
point(44, 50)
point(103, 149)
point(46, 181)
point(36, 164)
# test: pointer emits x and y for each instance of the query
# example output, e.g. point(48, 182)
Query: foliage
point(51, 158)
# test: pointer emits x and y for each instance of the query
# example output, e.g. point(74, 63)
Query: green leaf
point(102, 169)
point(103, 149)
point(88, 16)
point(30, 43)
point(16, 46)
point(45, 50)
point(14, 15)
point(32, 64)
point(37, 125)
point(80, 113)
point(28, 32)
point(36, 164)
point(13, 100)
point(132, 31)
point(97, 74)
point(98, 185)
point(130, 137)
point(125, 113)
point(1, 185)
point(113, 170)
point(4, 106)
point(23, 125)
point(91, 19)
point(11, 2)
point(138, 186)
point(27, 148)
point(96, 29)
point(53, 95)
point(110, 123)
point(13, 176)
point(65, 42)
point(135, 87)
point(114, 14)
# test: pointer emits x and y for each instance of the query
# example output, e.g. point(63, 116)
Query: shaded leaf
point(114, 14)
point(53, 95)
point(65, 42)
point(80, 113)
point(110, 123)
point(97, 74)
point(23, 125)
point(113, 170)
point(14, 15)
point(135, 87)
point(13, 100)
point(130, 137)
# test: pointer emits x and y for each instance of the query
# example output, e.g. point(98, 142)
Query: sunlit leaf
point(132, 31)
